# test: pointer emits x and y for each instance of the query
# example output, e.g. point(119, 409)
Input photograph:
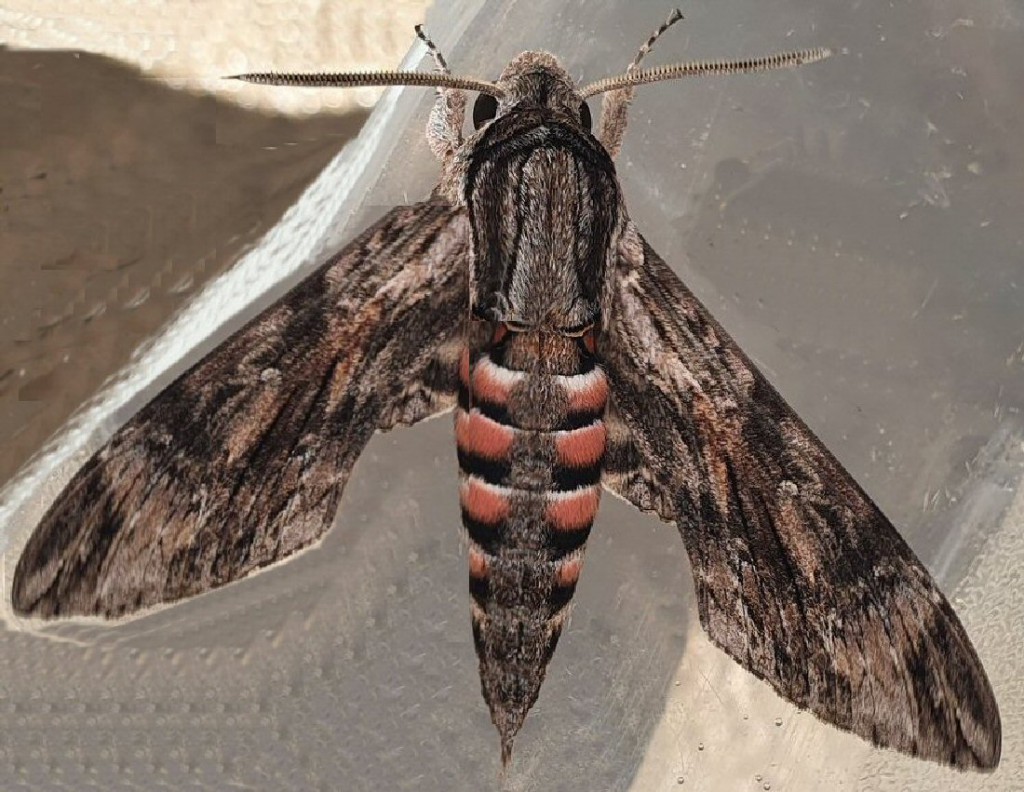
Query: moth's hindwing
point(799, 576)
point(241, 461)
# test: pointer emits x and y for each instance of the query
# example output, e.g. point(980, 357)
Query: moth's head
point(534, 80)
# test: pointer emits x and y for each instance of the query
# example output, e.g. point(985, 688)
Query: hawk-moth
point(521, 296)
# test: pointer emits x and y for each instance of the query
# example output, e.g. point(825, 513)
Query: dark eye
point(585, 116)
point(485, 108)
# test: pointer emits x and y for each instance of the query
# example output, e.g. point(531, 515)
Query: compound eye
point(585, 119)
point(485, 108)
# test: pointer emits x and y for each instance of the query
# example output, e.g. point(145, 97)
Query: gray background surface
point(855, 225)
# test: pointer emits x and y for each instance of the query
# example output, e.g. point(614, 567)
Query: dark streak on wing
point(799, 576)
point(241, 461)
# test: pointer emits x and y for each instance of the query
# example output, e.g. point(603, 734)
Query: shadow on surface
point(121, 197)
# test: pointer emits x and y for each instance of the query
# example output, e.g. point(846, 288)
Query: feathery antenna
point(674, 71)
point(442, 78)
point(374, 78)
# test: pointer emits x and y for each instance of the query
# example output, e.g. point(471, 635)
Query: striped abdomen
point(531, 442)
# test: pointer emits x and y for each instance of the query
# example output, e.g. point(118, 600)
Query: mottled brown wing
point(241, 461)
point(799, 576)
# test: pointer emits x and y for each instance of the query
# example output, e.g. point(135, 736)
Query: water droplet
point(758, 778)
point(679, 780)
point(700, 746)
point(766, 786)
point(778, 721)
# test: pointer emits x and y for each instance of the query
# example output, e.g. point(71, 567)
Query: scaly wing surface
point(799, 576)
point(241, 461)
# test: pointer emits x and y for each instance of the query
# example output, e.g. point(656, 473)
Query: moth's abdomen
point(531, 442)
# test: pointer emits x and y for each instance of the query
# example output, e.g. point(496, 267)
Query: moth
point(522, 296)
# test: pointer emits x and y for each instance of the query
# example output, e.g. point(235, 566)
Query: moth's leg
point(444, 126)
point(614, 112)
point(615, 107)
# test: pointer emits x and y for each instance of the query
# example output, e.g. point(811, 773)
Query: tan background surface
point(132, 174)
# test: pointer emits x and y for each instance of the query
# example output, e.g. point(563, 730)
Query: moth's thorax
point(544, 205)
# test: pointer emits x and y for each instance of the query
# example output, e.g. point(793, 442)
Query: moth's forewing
point(241, 461)
point(798, 574)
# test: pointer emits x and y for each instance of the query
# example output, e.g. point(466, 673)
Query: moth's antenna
point(435, 53)
point(674, 17)
point(374, 78)
point(443, 78)
point(699, 68)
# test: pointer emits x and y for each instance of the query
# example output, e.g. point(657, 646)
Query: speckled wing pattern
point(241, 461)
point(799, 576)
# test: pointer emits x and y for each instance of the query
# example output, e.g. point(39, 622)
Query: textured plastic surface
point(855, 225)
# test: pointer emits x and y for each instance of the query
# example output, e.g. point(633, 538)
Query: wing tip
point(983, 747)
point(28, 595)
